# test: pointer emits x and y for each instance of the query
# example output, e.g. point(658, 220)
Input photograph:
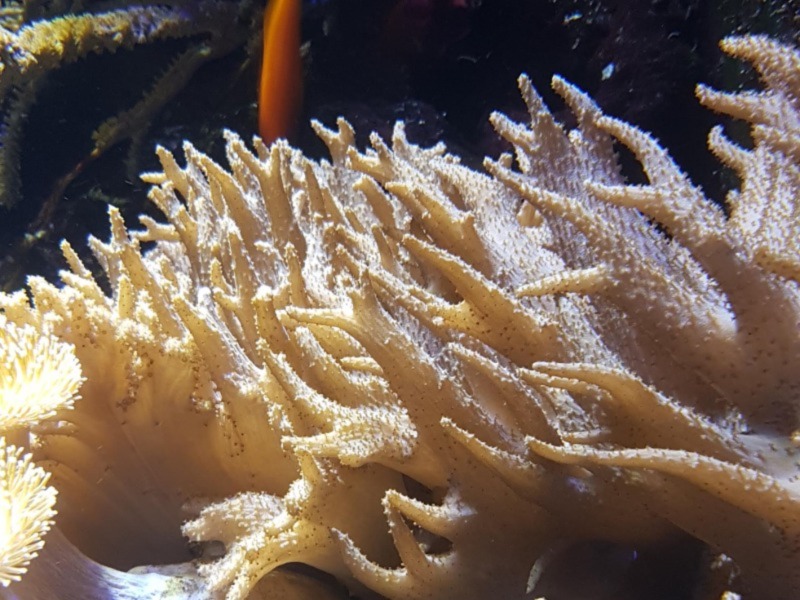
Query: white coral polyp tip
point(38, 376)
point(26, 511)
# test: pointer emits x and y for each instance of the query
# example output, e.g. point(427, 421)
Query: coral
point(428, 381)
point(36, 40)
point(39, 376)
point(26, 511)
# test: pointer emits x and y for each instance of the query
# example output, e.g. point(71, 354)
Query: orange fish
point(280, 93)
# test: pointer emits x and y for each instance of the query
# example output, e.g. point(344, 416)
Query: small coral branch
point(31, 50)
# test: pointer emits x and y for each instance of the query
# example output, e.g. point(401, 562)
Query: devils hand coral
point(427, 381)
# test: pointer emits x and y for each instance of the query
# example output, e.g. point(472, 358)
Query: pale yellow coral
point(430, 382)
point(39, 379)
point(26, 511)
point(38, 376)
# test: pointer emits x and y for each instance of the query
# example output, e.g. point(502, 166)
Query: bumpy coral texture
point(39, 376)
point(426, 380)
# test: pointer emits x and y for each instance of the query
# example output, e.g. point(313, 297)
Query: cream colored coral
point(432, 382)
point(38, 376)
point(26, 511)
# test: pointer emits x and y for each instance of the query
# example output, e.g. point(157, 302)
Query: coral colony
point(422, 380)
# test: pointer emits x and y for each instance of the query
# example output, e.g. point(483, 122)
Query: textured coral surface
point(431, 382)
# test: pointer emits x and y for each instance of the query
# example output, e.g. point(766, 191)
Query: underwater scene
point(404, 299)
